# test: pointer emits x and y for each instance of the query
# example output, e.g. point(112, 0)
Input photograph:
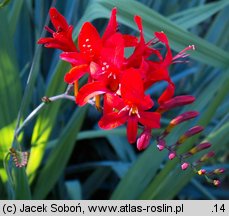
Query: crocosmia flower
point(131, 107)
point(62, 36)
point(116, 83)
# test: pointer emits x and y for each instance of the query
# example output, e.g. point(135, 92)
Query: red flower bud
point(216, 182)
point(161, 144)
point(207, 156)
point(184, 117)
point(191, 132)
point(199, 148)
point(184, 166)
point(144, 139)
point(172, 155)
point(176, 102)
point(201, 172)
point(219, 171)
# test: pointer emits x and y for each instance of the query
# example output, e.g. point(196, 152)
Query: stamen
point(49, 30)
point(124, 109)
point(183, 54)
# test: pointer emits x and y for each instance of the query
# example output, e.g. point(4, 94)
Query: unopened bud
point(199, 148)
point(216, 182)
point(144, 139)
point(201, 172)
point(176, 102)
point(184, 117)
point(184, 166)
point(219, 171)
point(207, 156)
point(161, 144)
point(191, 132)
point(172, 155)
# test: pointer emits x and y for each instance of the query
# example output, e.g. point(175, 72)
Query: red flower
point(121, 80)
point(62, 37)
point(130, 107)
point(90, 46)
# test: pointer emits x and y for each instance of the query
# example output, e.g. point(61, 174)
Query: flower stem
point(40, 107)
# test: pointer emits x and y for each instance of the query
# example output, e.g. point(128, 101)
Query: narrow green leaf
point(10, 90)
point(20, 179)
point(58, 158)
point(94, 181)
point(45, 122)
point(4, 3)
point(74, 190)
point(194, 16)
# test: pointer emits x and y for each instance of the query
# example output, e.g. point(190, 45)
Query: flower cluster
point(117, 83)
point(120, 80)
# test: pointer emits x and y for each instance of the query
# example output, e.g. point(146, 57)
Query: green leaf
point(21, 183)
point(45, 122)
point(4, 3)
point(194, 16)
point(94, 181)
point(58, 158)
point(10, 91)
point(74, 189)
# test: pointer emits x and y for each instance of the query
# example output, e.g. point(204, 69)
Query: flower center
point(134, 111)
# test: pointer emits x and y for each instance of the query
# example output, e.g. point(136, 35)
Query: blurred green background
point(70, 157)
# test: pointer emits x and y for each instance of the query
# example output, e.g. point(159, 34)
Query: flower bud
point(201, 172)
point(172, 155)
point(207, 156)
point(199, 148)
point(183, 117)
point(144, 139)
point(191, 132)
point(161, 144)
point(216, 182)
point(184, 166)
point(218, 171)
point(176, 102)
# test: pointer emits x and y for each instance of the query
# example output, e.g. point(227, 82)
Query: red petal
point(89, 40)
point(163, 38)
point(150, 119)
point(112, 102)
point(132, 85)
point(53, 43)
point(112, 120)
point(76, 73)
point(112, 25)
point(58, 20)
point(132, 89)
point(90, 90)
point(73, 58)
point(114, 51)
point(132, 128)
point(167, 94)
point(138, 21)
point(130, 40)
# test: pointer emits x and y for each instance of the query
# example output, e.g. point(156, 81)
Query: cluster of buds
point(173, 149)
point(19, 158)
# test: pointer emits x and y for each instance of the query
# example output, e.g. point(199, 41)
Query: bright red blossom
point(121, 80)
point(62, 37)
point(131, 107)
